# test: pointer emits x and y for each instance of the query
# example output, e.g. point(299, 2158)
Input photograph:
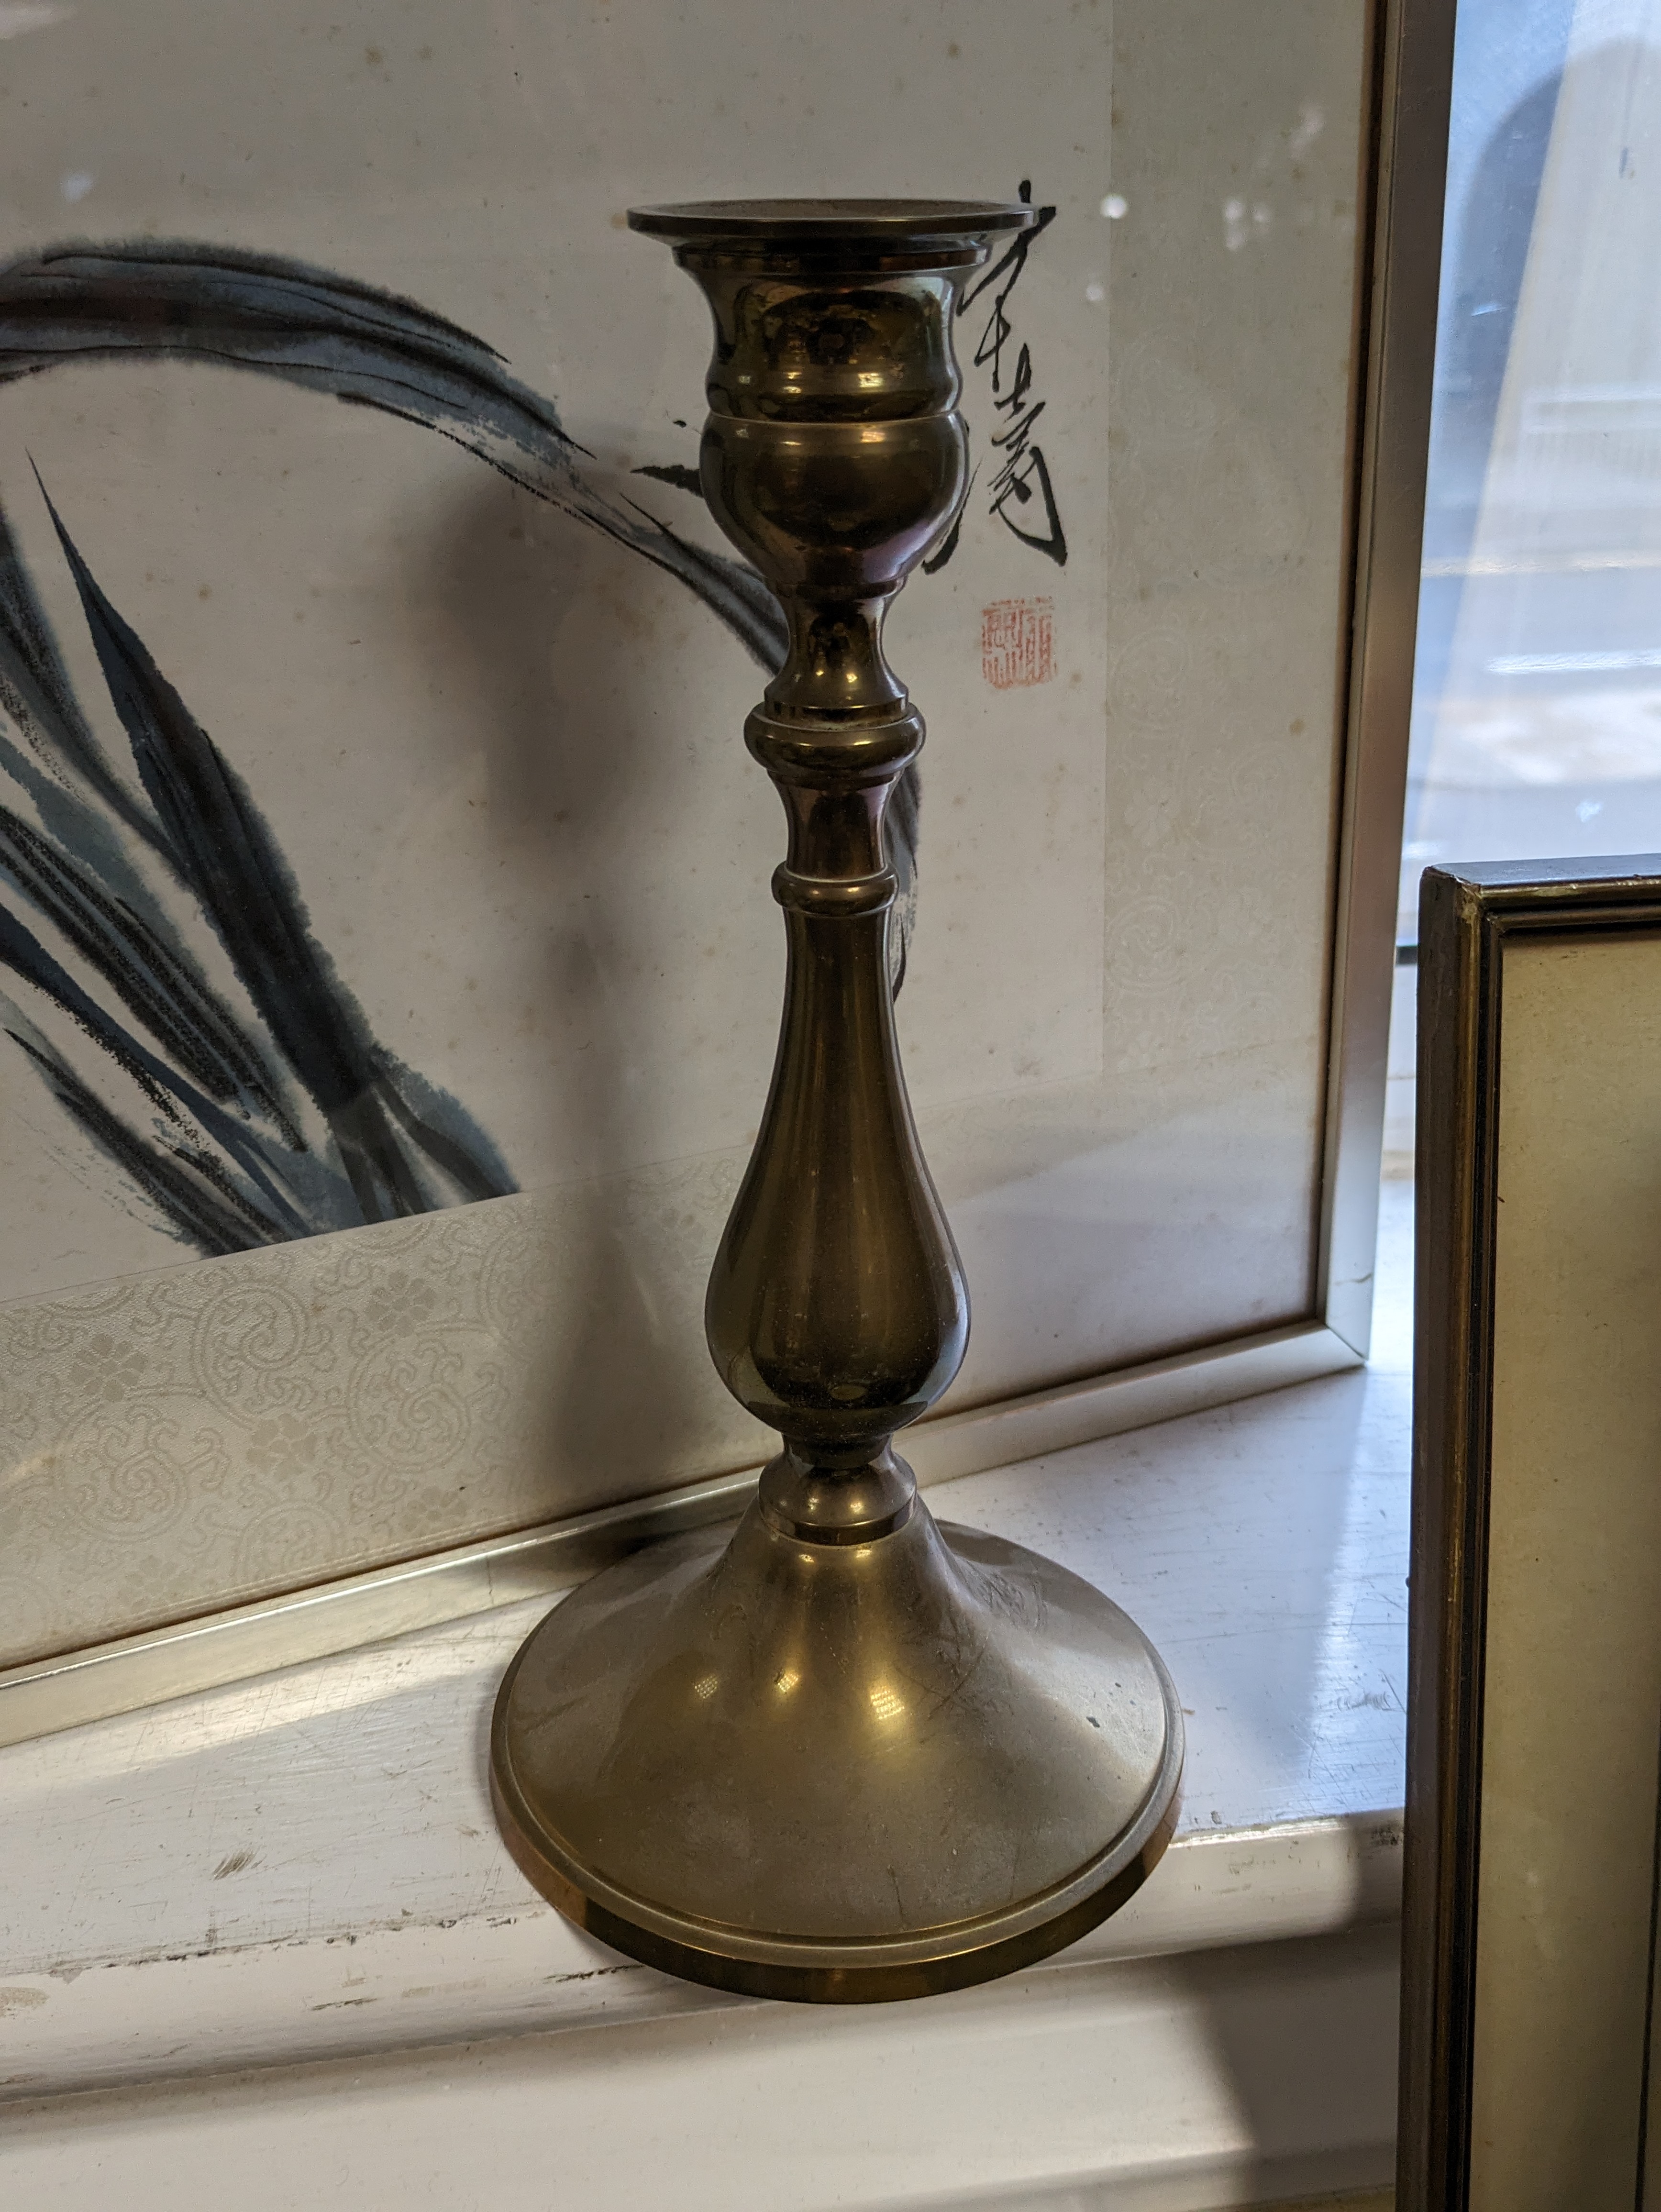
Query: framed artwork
point(1529, 2050)
point(388, 986)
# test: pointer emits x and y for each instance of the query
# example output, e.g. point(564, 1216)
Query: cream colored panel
point(244, 1425)
point(344, 1400)
point(1571, 1710)
point(500, 752)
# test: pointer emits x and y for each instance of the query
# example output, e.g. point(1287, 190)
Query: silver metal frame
point(211, 1649)
point(1413, 83)
point(1409, 92)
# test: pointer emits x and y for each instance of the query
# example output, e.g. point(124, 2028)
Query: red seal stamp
point(1017, 643)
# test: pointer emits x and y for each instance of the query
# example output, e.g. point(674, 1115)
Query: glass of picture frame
point(356, 1206)
point(1528, 2075)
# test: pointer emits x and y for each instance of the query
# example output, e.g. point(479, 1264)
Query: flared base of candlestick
point(838, 1773)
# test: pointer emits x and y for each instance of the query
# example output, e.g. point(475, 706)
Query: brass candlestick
point(849, 1753)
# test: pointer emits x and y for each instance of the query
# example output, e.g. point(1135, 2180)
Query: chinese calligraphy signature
point(1021, 495)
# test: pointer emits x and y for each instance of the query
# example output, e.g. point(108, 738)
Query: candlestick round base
point(838, 1773)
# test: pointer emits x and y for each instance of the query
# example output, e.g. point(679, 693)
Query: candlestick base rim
point(649, 1919)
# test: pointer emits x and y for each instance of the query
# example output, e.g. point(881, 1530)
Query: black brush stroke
point(318, 1190)
point(154, 987)
point(676, 473)
point(36, 691)
point(307, 326)
point(172, 1097)
point(156, 299)
point(331, 333)
point(949, 545)
point(235, 870)
point(22, 951)
point(475, 1169)
point(193, 1215)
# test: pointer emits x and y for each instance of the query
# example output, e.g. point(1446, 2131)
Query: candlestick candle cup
point(848, 1751)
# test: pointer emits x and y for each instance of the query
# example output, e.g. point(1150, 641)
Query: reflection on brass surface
point(850, 1754)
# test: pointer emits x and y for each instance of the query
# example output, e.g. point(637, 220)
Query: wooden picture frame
point(1534, 1680)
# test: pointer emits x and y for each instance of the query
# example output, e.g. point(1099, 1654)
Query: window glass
point(1536, 726)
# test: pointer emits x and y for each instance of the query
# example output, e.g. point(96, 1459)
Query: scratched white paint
point(521, 1970)
point(1145, 2087)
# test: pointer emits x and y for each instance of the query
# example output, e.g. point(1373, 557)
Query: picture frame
point(1527, 2075)
point(212, 1465)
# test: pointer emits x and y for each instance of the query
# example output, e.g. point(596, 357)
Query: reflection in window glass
point(1536, 726)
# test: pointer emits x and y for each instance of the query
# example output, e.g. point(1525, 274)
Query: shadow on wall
point(565, 656)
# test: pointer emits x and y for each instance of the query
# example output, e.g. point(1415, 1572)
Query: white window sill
point(303, 1872)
